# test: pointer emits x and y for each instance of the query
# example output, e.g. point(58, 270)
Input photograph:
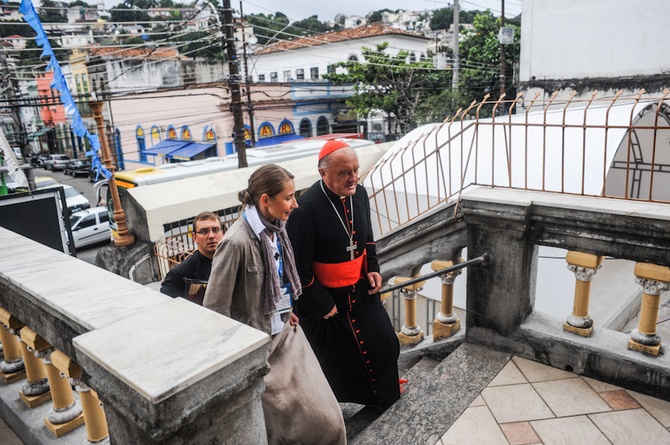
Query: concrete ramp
point(435, 397)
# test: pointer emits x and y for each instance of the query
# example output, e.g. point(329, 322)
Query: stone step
point(435, 397)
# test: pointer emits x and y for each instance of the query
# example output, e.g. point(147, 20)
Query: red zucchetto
point(330, 147)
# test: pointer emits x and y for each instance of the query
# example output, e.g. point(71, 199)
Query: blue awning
point(186, 152)
point(164, 148)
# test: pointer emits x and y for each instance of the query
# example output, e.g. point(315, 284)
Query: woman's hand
point(293, 320)
point(332, 313)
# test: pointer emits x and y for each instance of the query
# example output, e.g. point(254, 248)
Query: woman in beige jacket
point(254, 281)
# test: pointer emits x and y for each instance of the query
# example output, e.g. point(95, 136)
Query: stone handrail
point(509, 225)
point(166, 370)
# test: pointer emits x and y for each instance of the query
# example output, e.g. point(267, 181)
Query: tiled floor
point(529, 403)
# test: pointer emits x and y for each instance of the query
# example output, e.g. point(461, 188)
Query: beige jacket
point(236, 284)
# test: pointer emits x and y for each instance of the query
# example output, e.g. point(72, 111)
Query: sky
point(326, 10)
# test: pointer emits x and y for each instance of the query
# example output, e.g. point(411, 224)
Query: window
point(104, 216)
point(87, 221)
point(261, 77)
point(412, 57)
point(322, 126)
point(353, 58)
point(314, 73)
point(273, 77)
point(287, 76)
point(331, 69)
point(300, 74)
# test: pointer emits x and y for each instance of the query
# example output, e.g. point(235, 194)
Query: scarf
point(262, 227)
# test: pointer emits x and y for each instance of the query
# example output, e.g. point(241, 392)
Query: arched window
point(247, 132)
point(265, 130)
point(155, 135)
point(286, 127)
point(306, 128)
point(412, 57)
point(141, 143)
point(322, 126)
point(170, 133)
point(352, 58)
point(186, 133)
point(208, 134)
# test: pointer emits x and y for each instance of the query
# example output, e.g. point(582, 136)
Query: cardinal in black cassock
point(336, 259)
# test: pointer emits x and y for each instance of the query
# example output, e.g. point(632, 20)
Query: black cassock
point(358, 348)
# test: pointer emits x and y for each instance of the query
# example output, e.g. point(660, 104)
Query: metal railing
point(615, 147)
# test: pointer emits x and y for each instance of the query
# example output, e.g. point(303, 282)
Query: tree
point(50, 12)
point(390, 84)
point(442, 18)
point(376, 16)
point(480, 59)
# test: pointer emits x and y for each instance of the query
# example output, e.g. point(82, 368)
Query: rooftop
point(372, 30)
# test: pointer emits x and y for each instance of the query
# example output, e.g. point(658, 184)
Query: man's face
point(341, 172)
point(207, 235)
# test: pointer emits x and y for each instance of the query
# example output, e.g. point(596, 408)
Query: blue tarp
point(166, 147)
point(278, 139)
point(186, 152)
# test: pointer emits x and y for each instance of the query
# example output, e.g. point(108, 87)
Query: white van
point(74, 200)
point(90, 227)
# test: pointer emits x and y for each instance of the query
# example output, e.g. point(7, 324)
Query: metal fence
point(615, 147)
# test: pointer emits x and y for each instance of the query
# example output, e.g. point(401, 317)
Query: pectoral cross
point(352, 248)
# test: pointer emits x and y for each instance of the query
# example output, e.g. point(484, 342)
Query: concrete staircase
point(436, 395)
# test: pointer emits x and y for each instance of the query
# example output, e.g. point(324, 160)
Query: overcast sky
point(327, 9)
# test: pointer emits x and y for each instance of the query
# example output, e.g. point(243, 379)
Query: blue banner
point(60, 84)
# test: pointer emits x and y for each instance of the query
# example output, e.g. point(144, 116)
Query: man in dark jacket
point(207, 233)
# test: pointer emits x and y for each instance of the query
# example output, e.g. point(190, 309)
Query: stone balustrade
point(166, 370)
point(510, 225)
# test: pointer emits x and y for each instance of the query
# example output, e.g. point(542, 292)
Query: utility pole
point(250, 105)
point(124, 238)
point(11, 87)
point(457, 58)
point(502, 51)
point(234, 82)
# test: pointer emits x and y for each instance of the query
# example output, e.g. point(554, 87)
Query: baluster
point(654, 280)
point(446, 322)
point(12, 367)
point(66, 413)
point(97, 431)
point(36, 391)
point(410, 333)
point(584, 266)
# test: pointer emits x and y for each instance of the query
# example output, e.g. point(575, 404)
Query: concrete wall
point(587, 45)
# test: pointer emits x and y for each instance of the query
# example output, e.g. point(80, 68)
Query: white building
point(587, 45)
point(309, 58)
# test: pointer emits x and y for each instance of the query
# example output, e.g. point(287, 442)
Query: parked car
point(90, 226)
point(42, 182)
point(56, 162)
point(37, 160)
point(74, 200)
point(77, 167)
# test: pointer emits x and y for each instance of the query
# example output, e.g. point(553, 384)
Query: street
point(85, 187)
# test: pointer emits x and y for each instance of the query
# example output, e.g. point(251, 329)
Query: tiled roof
point(371, 30)
point(153, 54)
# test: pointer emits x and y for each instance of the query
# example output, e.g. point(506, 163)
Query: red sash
point(340, 274)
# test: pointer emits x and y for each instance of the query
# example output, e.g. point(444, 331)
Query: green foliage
point(312, 25)
point(480, 56)
point(274, 27)
point(16, 28)
point(50, 12)
point(392, 85)
point(81, 3)
point(443, 18)
point(200, 44)
point(125, 13)
point(377, 15)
